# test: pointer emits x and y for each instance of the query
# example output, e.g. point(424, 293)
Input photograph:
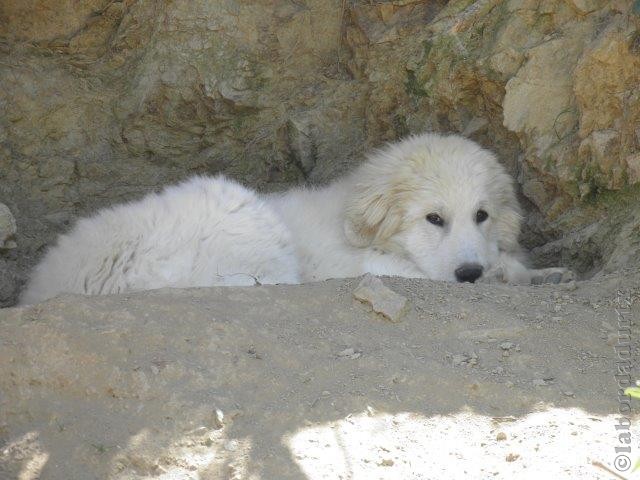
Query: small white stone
point(382, 300)
point(347, 352)
point(459, 359)
point(218, 419)
point(231, 446)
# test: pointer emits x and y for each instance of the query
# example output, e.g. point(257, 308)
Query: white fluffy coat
point(212, 231)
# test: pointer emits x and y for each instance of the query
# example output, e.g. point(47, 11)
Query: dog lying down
point(430, 206)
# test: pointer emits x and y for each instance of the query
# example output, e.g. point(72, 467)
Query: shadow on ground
point(304, 382)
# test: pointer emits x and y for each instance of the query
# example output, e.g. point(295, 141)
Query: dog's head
point(442, 202)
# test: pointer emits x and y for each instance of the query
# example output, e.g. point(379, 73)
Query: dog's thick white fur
point(438, 207)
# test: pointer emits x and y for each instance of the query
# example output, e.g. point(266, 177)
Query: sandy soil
point(474, 382)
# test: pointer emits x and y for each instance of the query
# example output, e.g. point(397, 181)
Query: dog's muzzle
point(469, 272)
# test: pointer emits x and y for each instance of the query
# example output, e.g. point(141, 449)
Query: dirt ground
point(295, 382)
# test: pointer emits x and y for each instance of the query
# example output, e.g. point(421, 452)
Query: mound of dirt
point(305, 381)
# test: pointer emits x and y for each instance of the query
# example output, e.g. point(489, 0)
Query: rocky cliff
point(103, 100)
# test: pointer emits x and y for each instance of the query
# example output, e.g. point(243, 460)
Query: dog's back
point(203, 232)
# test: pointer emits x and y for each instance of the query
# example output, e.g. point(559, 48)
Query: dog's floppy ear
point(372, 215)
point(508, 228)
point(509, 218)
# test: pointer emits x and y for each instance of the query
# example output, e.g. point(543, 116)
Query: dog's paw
point(495, 275)
point(551, 275)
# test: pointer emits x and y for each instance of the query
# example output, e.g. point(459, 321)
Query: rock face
point(106, 100)
point(8, 266)
point(8, 228)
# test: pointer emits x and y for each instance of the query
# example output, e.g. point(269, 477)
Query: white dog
point(430, 206)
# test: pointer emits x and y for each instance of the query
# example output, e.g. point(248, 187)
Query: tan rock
point(600, 155)
point(102, 101)
point(43, 20)
point(633, 168)
point(536, 191)
point(8, 228)
point(606, 77)
point(93, 39)
point(380, 298)
point(507, 61)
point(541, 91)
point(586, 6)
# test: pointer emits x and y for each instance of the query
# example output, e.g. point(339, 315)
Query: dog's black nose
point(469, 272)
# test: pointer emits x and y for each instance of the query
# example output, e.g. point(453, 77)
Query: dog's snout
point(469, 272)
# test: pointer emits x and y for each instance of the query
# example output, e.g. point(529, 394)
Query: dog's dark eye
point(435, 219)
point(481, 216)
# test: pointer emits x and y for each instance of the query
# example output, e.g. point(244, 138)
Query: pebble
point(218, 419)
point(382, 300)
point(554, 278)
point(254, 353)
point(506, 345)
point(350, 353)
point(459, 359)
